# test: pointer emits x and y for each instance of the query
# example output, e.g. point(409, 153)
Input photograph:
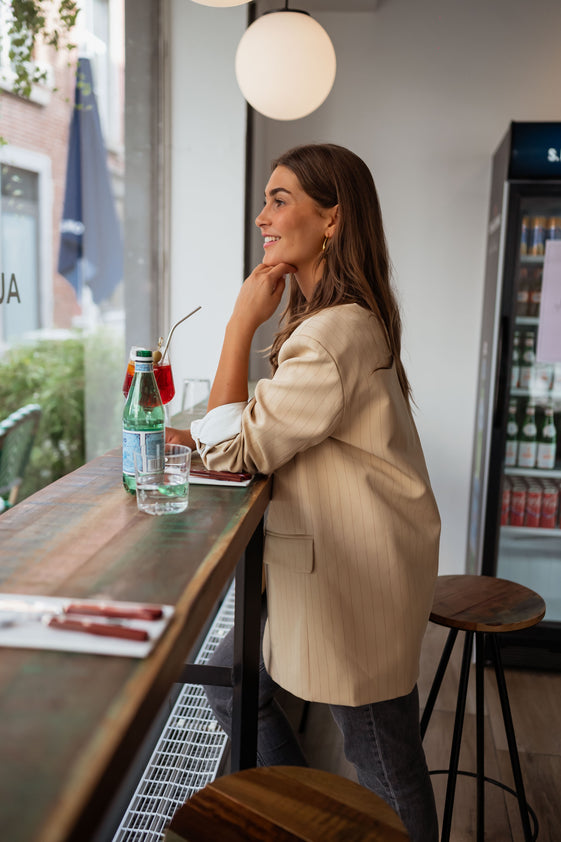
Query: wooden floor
point(535, 699)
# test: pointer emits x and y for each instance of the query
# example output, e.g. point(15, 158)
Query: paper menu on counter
point(28, 629)
point(200, 475)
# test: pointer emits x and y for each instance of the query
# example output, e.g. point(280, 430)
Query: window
point(25, 235)
point(20, 246)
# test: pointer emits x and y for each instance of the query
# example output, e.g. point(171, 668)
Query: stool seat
point(285, 804)
point(482, 607)
point(486, 604)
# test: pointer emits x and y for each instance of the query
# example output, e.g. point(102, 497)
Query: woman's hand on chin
point(260, 295)
point(175, 436)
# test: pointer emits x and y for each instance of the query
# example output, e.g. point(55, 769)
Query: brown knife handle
point(103, 629)
point(141, 612)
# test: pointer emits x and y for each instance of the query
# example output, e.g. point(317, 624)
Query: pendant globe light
point(285, 64)
point(221, 3)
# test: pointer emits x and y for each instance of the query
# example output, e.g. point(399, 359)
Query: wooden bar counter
point(70, 723)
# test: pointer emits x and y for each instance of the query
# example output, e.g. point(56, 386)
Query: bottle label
point(527, 454)
point(146, 444)
point(546, 455)
point(511, 453)
point(529, 430)
point(526, 376)
point(142, 367)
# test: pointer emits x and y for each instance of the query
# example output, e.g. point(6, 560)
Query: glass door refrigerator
point(514, 519)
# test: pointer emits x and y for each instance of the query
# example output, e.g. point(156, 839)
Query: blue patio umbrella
point(91, 247)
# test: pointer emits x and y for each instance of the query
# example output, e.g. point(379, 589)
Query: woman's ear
point(332, 220)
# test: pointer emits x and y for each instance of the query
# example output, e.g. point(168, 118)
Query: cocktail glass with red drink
point(162, 366)
point(162, 373)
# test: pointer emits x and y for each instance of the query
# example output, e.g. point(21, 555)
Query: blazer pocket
point(293, 552)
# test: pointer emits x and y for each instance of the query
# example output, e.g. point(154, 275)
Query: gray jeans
point(381, 740)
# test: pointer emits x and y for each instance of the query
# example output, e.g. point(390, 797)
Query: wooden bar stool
point(481, 606)
point(285, 804)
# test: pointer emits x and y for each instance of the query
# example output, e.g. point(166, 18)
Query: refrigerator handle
point(501, 378)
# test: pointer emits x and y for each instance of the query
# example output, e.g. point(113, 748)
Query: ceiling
point(313, 6)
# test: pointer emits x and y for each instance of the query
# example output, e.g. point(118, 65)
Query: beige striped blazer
point(352, 533)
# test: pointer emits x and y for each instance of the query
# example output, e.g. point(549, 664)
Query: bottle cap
point(144, 354)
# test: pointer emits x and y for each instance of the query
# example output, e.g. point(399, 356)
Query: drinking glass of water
point(162, 483)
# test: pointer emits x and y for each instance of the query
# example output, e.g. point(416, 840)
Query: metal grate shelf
point(188, 754)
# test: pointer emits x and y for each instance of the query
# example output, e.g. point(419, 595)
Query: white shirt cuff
point(220, 424)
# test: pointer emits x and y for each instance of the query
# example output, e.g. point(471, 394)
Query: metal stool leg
point(480, 731)
point(511, 739)
point(457, 738)
point(439, 675)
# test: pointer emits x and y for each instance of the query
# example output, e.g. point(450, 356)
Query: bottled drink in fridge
point(515, 369)
point(528, 439)
point(547, 443)
point(527, 362)
point(523, 293)
point(143, 420)
point(511, 436)
point(535, 296)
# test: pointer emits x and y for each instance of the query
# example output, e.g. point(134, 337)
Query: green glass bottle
point(527, 440)
point(547, 442)
point(511, 452)
point(143, 419)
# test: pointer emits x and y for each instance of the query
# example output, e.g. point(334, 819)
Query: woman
point(352, 533)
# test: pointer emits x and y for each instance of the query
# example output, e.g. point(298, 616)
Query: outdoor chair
point(17, 433)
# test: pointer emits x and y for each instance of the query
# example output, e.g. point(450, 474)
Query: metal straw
point(164, 352)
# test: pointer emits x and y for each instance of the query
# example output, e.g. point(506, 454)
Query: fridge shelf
point(532, 259)
point(550, 395)
point(549, 473)
point(527, 320)
point(529, 532)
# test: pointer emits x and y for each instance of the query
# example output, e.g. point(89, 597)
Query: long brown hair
point(356, 266)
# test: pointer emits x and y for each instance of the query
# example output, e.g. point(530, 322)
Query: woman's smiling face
point(293, 227)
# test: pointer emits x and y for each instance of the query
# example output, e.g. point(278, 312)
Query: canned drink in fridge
point(533, 505)
point(537, 237)
point(505, 508)
point(553, 228)
point(550, 506)
point(517, 504)
point(525, 235)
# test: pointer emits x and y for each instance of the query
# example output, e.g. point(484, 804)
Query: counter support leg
point(246, 654)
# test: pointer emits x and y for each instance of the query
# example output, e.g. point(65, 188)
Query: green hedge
point(50, 373)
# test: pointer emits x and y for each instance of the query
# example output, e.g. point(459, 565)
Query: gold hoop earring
point(325, 241)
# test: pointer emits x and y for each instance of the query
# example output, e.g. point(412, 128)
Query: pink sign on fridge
point(549, 329)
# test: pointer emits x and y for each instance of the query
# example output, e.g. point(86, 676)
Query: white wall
point(207, 161)
point(424, 93)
